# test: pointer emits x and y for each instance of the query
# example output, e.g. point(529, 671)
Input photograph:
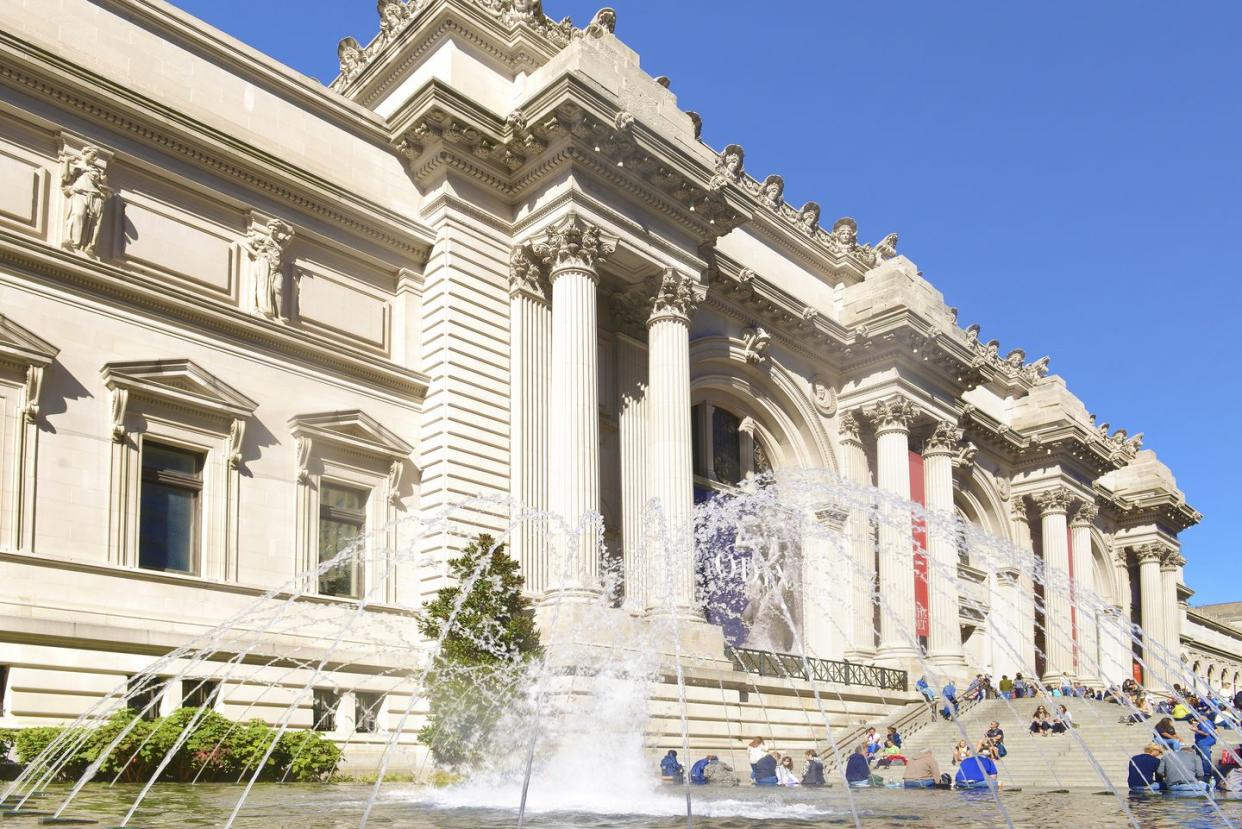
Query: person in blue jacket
point(763, 770)
point(974, 771)
point(697, 777)
point(857, 769)
point(949, 692)
point(1205, 738)
point(670, 769)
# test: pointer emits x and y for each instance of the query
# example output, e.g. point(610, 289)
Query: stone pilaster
point(862, 544)
point(632, 424)
point(1170, 571)
point(1053, 507)
point(670, 469)
point(1084, 590)
point(944, 645)
point(571, 252)
point(530, 365)
point(892, 419)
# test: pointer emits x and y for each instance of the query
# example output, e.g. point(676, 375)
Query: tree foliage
point(488, 632)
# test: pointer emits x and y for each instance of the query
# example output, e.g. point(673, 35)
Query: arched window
point(726, 448)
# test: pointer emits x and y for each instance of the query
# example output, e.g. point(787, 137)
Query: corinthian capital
point(525, 274)
point(677, 297)
point(851, 429)
point(573, 243)
point(1053, 501)
point(896, 413)
point(1150, 553)
point(1085, 513)
point(945, 438)
point(1171, 560)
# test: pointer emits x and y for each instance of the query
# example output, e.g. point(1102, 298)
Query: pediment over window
point(21, 346)
point(352, 430)
point(181, 382)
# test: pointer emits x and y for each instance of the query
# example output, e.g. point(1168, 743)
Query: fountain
point(566, 731)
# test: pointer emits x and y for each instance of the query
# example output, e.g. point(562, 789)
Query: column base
point(569, 595)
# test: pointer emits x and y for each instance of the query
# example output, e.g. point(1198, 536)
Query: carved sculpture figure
point(772, 191)
point(728, 167)
point(845, 234)
point(393, 15)
point(755, 341)
point(84, 181)
point(604, 22)
point(886, 248)
point(266, 246)
point(349, 53)
point(808, 217)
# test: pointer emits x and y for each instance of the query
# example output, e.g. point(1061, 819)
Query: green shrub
point(217, 749)
point(7, 738)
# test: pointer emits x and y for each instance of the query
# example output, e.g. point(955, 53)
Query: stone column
point(571, 251)
point(530, 349)
point(1120, 644)
point(1170, 567)
point(1084, 592)
point(1024, 611)
point(1058, 633)
point(1151, 613)
point(892, 419)
point(944, 642)
point(632, 423)
point(861, 546)
point(670, 463)
point(1005, 622)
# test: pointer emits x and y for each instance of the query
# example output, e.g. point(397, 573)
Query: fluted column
point(1024, 611)
point(1119, 643)
point(1151, 603)
point(944, 642)
point(530, 350)
point(892, 419)
point(1058, 632)
point(1084, 593)
point(862, 544)
point(571, 252)
point(632, 425)
point(670, 467)
point(1170, 567)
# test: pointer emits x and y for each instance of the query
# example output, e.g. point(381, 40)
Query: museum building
point(247, 318)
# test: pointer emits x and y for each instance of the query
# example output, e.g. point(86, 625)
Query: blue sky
point(1067, 173)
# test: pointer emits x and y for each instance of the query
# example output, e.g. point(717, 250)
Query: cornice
point(47, 76)
point(175, 303)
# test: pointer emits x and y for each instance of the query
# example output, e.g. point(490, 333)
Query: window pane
point(142, 696)
point(726, 449)
point(166, 537)
point(158, 456)
point(366, 711)
point(4, 685)
point(696, 439)
point(341, 512)
point(199, 693)
point(323, 709)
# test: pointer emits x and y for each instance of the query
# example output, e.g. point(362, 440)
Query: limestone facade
point(492, 258)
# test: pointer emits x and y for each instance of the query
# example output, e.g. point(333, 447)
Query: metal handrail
point(792, 666)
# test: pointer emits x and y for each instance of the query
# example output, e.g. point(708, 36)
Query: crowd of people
point(1165, 765)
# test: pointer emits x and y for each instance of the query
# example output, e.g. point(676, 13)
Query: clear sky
point(1069, 174)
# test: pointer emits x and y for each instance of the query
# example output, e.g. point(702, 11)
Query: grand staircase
point(1058, 761)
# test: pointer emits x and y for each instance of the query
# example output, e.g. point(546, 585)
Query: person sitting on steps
point(813, 774)
point(922, 772)
point(1040, 723)
point(764, 770)
point(670, 770)
point(1143, 766)
point(857, 769)
point(785, 772)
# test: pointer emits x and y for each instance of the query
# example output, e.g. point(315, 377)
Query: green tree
point(488, 637)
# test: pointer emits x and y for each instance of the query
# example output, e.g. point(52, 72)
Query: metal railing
point(788, 665)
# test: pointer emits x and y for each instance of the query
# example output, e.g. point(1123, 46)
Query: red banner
point(922, 626)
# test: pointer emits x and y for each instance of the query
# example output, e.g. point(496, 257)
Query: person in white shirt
point(784, 772)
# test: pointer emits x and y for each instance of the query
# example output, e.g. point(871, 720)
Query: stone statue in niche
point(84, 181)
point(266, 243)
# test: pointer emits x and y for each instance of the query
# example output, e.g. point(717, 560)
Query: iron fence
point(766, 663)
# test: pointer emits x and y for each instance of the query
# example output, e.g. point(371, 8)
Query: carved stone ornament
point(1171, 560)
point(845, 235)
point(573, 243)
point(808, 218)
point(697, 120)
point(824, 395)
point(1003, 488)
point(1150, 553)
point(84, 182)
point(772, 191)
point(603, 23)
point(886, 248)
point(1012, 366)
point(894, 413)
point(1053, 501)
point(966, 455)
point(945, 438)
point(120, 400)
point(237, 434)
point(304, 447)
point(851, 427)
point(1085, 514)
point(395, 471)
point(729, 167)
point(265, 244)
point(1017, 509)
point(393, 15)
point(352, 61)
point(755, 342)
point(677, 297)
point(525, 274)
point(624, 121)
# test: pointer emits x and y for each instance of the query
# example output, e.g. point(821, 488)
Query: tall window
point(367, 708)
point(199, 693)
point(143, 696)
point(323, 709)
point(172, 481)
point(4, 687)
point(342, 519)
point(724, 453)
